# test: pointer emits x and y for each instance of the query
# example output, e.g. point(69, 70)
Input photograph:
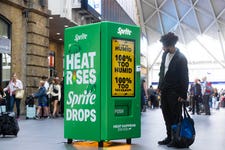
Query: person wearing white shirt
point(14, 84)
point(55, 91)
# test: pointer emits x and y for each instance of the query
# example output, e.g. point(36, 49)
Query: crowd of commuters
point(48, 97)
point(150, 99)
point(203, 96)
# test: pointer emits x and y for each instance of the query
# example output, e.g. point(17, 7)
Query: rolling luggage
point(30, 107)
point(30, 112)
point(3, 105)
point(29, 100)
point(8, 124)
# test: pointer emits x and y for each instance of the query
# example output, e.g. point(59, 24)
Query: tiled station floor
point(47, 134)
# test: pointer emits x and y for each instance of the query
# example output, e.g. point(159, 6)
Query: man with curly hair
point(173, 83)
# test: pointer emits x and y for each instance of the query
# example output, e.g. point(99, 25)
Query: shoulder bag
point(183, 133)
point(19, 94)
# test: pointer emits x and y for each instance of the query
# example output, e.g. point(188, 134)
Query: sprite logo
point(125, 31)
point(79, 37)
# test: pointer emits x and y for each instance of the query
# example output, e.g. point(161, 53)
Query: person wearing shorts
point(55, 92)
point(42, 100)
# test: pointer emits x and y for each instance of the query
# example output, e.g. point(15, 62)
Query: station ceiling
point(191, 20)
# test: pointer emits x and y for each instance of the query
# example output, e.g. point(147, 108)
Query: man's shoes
point(171, 144)
point(165, 141)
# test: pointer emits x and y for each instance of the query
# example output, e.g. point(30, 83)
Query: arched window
point(5, 50)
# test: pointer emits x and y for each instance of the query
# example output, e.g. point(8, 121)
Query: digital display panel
point(123, 67)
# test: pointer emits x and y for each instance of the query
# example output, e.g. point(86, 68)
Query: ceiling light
point(60, 39)
point(66, 26)
point(58, 33)
point(50, 17)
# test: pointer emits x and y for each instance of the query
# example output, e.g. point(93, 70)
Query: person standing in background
point(207, 92)
point(152, 97)
point(46, 85)
point(14, 84)
point(144, 95)
point(42, 99)
point(55, 92)
point(62, 98)
point(196, 90)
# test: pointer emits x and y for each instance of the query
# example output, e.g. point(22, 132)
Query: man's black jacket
point(176, 78)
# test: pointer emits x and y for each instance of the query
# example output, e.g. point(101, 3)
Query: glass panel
point(3, 29)
point(5, 55)
point(6, 66)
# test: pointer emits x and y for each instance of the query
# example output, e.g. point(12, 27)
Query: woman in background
point(55, 92)
point(14, 84)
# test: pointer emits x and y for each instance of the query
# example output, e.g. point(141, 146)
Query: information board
point(123, 67)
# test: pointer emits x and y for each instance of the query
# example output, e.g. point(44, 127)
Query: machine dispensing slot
point(122, 108)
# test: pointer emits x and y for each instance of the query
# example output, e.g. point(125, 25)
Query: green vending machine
point(102, 82)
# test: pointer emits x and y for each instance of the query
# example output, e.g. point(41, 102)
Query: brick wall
point(30, 40)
